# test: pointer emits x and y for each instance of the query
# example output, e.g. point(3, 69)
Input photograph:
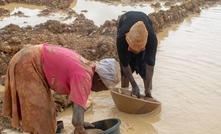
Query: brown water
point(1, 88)
point(187, 75)
point(93, 12)
point(186, 80)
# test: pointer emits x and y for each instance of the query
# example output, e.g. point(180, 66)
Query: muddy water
point(1, 88)
point(186, 81)
point(29, 18)
point(94, 9)
point(91, 9)
point(187, 76)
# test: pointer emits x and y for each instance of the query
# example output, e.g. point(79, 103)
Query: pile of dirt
point(4, 12)
point(83, 36)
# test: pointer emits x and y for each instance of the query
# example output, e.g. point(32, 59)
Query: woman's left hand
point(88, 125)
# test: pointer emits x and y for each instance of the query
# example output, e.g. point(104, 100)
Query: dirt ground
point(83, 36)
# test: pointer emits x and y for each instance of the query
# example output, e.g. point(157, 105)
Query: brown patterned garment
point(28, 98)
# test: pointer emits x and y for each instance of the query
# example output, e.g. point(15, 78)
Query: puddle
point(97, 11)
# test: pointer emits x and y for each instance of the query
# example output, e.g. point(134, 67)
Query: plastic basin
point(108, 126)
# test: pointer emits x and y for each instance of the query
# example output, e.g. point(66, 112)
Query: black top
point(137, 61)
point(126, 57)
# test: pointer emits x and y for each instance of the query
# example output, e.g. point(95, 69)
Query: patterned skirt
point(28, 98)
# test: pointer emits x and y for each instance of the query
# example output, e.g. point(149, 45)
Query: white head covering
point(109, 71)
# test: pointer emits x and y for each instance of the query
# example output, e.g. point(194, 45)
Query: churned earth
point(83, 36)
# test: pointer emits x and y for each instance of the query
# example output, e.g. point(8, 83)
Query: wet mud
point(83, 36)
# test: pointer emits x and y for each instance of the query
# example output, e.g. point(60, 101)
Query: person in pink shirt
point(35, 70)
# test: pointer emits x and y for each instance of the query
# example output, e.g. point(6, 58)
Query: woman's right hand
point(88, 125)
point(135, 92)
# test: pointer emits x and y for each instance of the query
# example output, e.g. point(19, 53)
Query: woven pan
point(131, 105)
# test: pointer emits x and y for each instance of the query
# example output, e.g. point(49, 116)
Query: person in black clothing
point(136, 46)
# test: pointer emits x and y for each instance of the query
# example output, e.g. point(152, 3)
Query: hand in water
point(136, 92)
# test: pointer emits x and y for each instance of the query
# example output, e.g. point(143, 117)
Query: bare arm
point(135, 88)
point(148, 81)
point(78, 119)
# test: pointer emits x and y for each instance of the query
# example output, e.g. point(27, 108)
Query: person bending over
point(35, 70)
point(137, 46)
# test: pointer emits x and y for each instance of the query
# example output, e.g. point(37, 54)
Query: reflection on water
point(99, 12)
point(12, 6)
point(31, 17)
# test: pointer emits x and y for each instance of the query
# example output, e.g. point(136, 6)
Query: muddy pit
point(83, 36)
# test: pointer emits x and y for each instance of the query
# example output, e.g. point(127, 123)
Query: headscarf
point(109, 71)
point(137, 36)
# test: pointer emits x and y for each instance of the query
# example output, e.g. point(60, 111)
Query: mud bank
point(82, 35)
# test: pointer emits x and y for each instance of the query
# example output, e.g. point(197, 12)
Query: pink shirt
point(67, 73)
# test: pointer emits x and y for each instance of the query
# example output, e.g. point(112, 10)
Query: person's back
point(130, 18)
point(67, 73)
point(136, 46)
point(28, 91)
point(126, 21)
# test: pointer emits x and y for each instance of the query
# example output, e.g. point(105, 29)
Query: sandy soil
point(83, 36)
